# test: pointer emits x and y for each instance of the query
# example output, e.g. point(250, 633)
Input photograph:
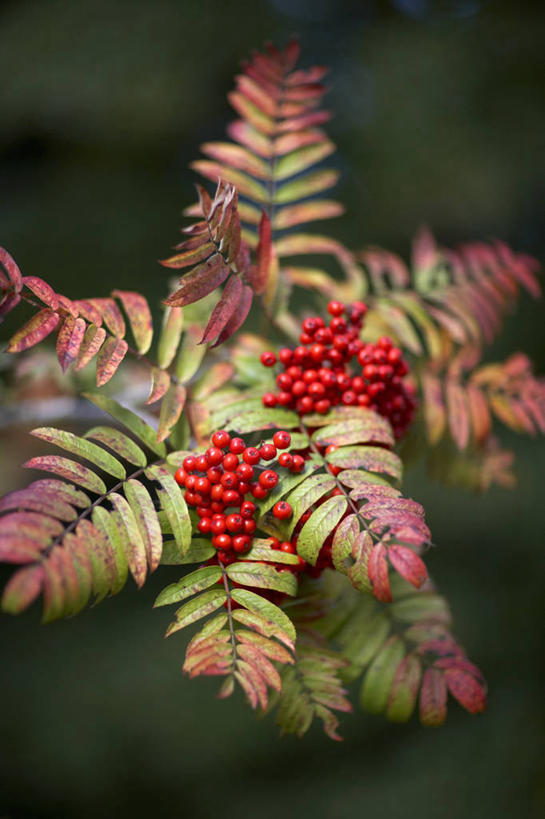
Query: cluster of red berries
point(316, 374)
point(218, 483)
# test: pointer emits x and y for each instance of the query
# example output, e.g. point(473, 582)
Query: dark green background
point(439, 118)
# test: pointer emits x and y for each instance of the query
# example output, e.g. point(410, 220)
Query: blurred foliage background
point(439, 119)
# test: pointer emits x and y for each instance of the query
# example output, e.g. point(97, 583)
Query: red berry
point(216, 493)
point(287, 547)
point(214, 455)
point(285, 460)
point(224, 542)
point(190, 482)
point(243, 487)
point(282, 510)
point(217, 506)
point(251, 455)
point(229, 480)
point(237, 446)
point(316, 390)
point(231, 498)
point(335, 308)
point(203, 486)
point(269, 400)
point(323, 336)
point(349, 397)
point(282, 439)
point(284, 399)
point(221, 438)
point(323, 406)
point(369, 372)
point(247, 509)
point(268, 452)
point(249, 526)
point(204, 525)
point(234, 523)
point(214, 474)
point(317, 352)
point(300, 354)
point(179, 477)
point(258, 491)
point(299, 388)
point(285, 356)
point(331, 448)
point(268, 479)
point(218, 525)
point(241, 543)
point(305, 338)
point(338, 325)
point(201, 463)
point(230, 462)
point(284, 381)
point(245, 471)
point(268, 359)
point(298, 464)
point(189, 463)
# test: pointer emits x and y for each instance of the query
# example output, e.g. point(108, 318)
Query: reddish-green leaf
point(71, 470)
point(69, 340)
point(12, 270)
point(470, 693)
point(433, 698)
point(111, 354)
point(134, 545)
point(42, 290)
point(160, 384)
point(171, 333)
point(91, 344)
point(137, 309)
point(146, 520)
point(299, 214)
point(377, 568)
point(171, 409)
point(224, 309)
point(111, 314)
point(119, 443)
point(35, 330)
point(22, 589)
point(408, 564)
point(202, 280)
point(319, 526)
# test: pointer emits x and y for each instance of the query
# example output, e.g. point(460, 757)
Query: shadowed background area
point(439, 119)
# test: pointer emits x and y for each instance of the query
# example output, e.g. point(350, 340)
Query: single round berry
point(229, 480)
point(247, 509)
point(284, 399)
point(230, 462)
point(282, 510)
point(268, 359)
point(258, 491)
point(284, 381)
point(285, 356)
point(204, 526)
point(224, 542)
point(323, 406)
point(281, 439)
point(214, 456)
point(203, 486)
point(231, 498)
point(241, 543)
point(189, 463)
point(286, 460)
point(269, 400)
point(288, 548)
point(268, 452)
point(190, 482)
point(335, 308)
point(216, 493)
point(249, 526)
point(179, 476)
point(221, 438)
point(298, 463)
point(218, 525)
point(268, 479)
point(245, 472)
point(201, 463)
point(237, 446)
point(234, 523)
point(214, 474)
point(251, 455)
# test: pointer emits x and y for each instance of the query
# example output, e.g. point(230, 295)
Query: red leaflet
point(171, 409)
point(458, 413)
point(9, 301)
point(91, 344)
point(22, 589)
point(34, 331)
point(160, 384)
point(200, 282)
point(377, 568)
point(69, 340)
point(467, 690)
point(238, 318)
point(88, 311)
point(15, 549)
point(224, 309)
point(42, 290)
point(14, 274)
point(408, 565)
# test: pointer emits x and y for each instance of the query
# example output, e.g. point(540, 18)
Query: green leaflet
point(69, 469)
point(371, 458)
point(82, 448)
point(133, 543)
point(343, 540)
point(171, 332)
point(261, 552)
point(146, 520)
point(201, 549)
point(196, 609)
point(262, 576)
point(319, 526)
point(378, 681)
point(262, 419)
point(421, 606)
point(189, 585)
point(306, 493)
point(120, 443)
point(173, 503)
point(107, 524)
point(404, 690)
point(191, 353)
point(259, 605)
point(129, 419)
point(366, 428)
